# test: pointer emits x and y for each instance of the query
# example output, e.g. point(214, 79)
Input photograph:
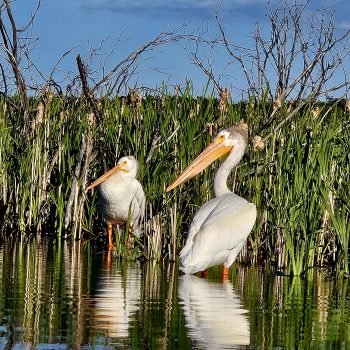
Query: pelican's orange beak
point(211, 153)
point(105, 176)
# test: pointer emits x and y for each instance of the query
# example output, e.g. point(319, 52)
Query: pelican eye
point(124, 163)
point(220, 139)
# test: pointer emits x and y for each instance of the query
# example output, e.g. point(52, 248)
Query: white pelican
point(221, 226)
point(121, 196)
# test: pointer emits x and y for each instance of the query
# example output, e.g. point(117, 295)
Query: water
point(63, 297)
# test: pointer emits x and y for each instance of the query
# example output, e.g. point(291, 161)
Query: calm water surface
point(63, 297)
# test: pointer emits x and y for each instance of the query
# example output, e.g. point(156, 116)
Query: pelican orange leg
point(225, 273)
point(110, 233)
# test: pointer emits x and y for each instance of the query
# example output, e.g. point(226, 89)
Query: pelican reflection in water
point(213, 312)
point(121, 197)
point(221, 226)
point(116, 298)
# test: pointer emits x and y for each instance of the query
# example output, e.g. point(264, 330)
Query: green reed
point(299, 180)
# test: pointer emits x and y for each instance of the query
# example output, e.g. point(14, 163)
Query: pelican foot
point(110, 240)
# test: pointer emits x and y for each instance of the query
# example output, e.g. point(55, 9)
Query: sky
point(79, 25)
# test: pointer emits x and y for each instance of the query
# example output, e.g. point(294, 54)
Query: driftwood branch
point(9, 34)
point(86, 90)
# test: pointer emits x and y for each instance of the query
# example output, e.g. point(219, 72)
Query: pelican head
point(126, 166)
point(225, 141)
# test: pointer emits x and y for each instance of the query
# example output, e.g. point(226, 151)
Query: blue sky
point(63, 25)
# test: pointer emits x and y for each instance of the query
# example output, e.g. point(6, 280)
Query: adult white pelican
point(121, 196)
point(221, 226)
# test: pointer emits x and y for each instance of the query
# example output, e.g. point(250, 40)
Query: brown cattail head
point(90, 119)
point(223, 102)
point(62, 116)
point(258, 143)
point(347, 105)
point(40, 113)
point(315, 112)
point(134, 99)
point(176, 90)
point(212, 128)
point(277, 103)
point(224, 95)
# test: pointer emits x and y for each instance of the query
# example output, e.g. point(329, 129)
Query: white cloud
point(187, 7)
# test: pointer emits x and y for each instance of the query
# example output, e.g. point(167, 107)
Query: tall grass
point(299, 181)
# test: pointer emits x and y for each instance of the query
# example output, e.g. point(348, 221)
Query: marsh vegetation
point(298, 177)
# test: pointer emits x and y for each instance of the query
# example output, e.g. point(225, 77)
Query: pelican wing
point(141, 201)
point(197, 222)
point(138, 203)
point(221, 234)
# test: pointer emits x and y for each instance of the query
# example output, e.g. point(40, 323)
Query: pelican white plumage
point(121, 196)
point(221, 226)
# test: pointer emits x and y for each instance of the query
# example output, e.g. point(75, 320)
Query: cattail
point(292, 104)
point(122, 105)
point(224, 96)
point(277, 103)
point(315, 112)
point(90, 119)
point(62, 116)
point(48, 94)
point(258, 143)
point(176, 90)
point(195, 111)
point(39, 116)
point(40, 113)
point(198, 107)
point(347, 105)
point(138, 102)
point(212, 128)
point(163, 103)
point(135, 99)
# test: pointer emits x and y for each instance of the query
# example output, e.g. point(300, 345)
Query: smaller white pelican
point(221, 226)
point(121, 196)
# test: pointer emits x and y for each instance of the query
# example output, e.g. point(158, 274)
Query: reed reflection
point(76, 296)
point(213, 312)
point(116, 297)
